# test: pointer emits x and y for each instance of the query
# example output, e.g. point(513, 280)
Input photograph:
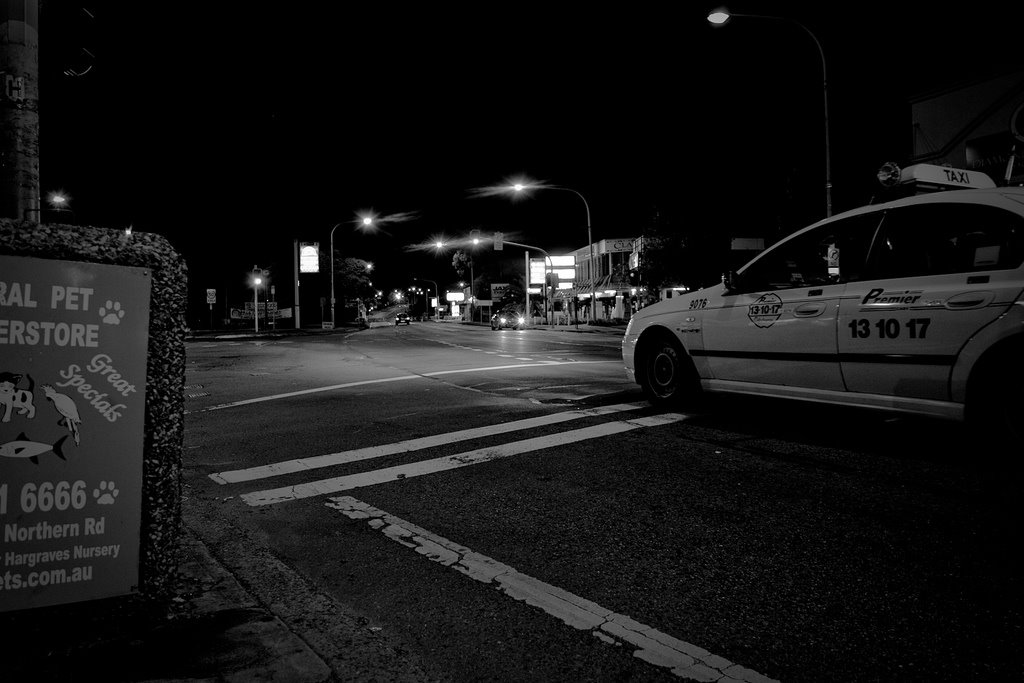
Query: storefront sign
point(73, 340)
point(498, 290)
point(309, 257)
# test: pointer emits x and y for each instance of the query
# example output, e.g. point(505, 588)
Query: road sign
point(211, 296)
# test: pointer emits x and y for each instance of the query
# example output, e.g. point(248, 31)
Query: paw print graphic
point(112, 313)
point(105, 494)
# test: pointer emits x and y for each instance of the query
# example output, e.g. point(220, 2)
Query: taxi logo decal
point(766, 310)
point(894, 299)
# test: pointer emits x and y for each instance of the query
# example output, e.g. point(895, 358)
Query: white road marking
point(686, 660)
point(400, 378)
point(451, 462)
point(344, 457)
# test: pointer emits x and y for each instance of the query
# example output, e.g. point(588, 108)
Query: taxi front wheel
point(666, 373)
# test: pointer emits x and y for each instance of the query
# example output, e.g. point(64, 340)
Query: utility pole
point(19, 109)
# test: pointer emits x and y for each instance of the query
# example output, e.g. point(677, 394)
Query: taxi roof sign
point(943, 177)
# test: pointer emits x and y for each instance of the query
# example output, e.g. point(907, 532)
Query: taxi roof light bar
point(932, 178)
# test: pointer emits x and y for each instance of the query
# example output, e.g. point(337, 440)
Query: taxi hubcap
point(663, 370)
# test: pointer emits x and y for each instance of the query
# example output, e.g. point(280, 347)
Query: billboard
point(309, 257)
point(563, 267)
point(73, 342)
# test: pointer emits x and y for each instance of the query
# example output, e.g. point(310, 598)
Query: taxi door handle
point(808, 310)
point(968, 300)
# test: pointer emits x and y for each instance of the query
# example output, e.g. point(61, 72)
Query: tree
point(675, 255)
point(461, 263)
point(351, 278)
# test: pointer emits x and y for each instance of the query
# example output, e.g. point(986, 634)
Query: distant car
point(401, 318)
point(508, 318)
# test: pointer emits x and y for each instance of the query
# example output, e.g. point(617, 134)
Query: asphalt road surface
point(506, 506)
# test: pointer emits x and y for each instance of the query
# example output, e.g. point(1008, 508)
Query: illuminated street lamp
point(58, 201)
point(365, 221)
point(256, 282)
point(519, 187)
point(721, 16)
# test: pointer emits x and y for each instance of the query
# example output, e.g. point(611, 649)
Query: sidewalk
point(211, 629)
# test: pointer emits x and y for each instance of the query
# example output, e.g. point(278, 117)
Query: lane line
point(355, 455)
point(451, 462)
point(685, 660)
point(399, 378)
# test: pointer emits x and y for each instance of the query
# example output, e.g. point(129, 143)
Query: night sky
point(233, 128)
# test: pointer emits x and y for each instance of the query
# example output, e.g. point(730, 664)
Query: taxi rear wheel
point(666, 373)
point(996, 398)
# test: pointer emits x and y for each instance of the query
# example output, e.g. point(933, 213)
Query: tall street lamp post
point(256, 282)
point(721, 16)
point(366, 221)
point(519, 187)
point(437, 296)
point(332, 272)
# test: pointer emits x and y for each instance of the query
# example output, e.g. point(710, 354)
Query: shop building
point(604, 279)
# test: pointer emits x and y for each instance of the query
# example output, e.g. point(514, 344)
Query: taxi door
point(777, 337)
point(938, 274)
point(778, 326)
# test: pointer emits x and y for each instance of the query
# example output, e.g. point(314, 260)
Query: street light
point(256, 282)
point(721, 16)
point(58, 201)
point(365, 221)
point(437, 296)
point(519, 187)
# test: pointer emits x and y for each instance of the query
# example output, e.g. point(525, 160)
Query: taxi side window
point(939, 239)
point(830, 254)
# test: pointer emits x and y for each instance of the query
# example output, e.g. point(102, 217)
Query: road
point(506, 506)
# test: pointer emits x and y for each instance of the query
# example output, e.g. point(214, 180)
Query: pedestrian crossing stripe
point(356, 455)
point(450, 462)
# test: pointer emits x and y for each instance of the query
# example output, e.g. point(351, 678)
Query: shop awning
point(601, 284)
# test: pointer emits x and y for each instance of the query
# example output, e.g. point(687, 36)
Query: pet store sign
point(73, 340)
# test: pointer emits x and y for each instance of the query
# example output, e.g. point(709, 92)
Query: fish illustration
point(23, 448)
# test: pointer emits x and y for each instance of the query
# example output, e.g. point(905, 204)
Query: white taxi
point(914, 305)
